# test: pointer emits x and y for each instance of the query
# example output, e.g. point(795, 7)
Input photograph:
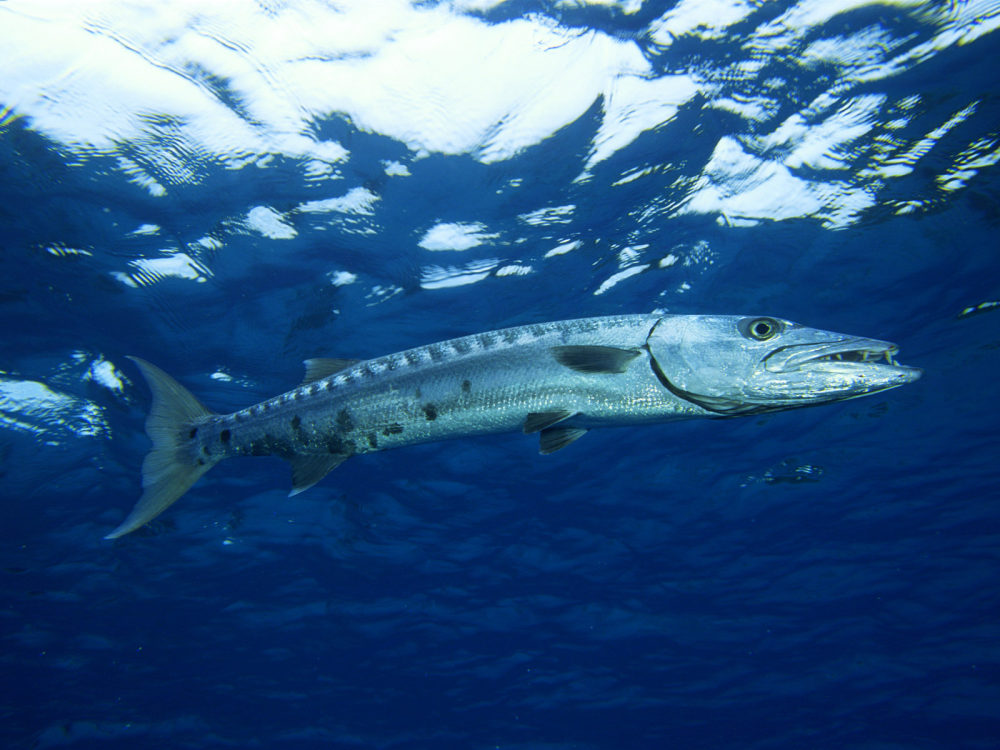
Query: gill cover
point(709, 359)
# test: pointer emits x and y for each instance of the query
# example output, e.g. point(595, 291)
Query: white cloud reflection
point(170, 92)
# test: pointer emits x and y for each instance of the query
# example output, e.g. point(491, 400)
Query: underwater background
point(229, 188)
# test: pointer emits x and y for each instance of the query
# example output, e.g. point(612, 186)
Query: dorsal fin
point(307, 470)
point(321, 367)
point(594, 359)
point(555, 438)
point(539, 420)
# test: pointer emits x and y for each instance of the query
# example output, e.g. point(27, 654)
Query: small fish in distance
point(558, 379)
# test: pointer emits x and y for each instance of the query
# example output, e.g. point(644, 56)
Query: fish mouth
point(848, 355)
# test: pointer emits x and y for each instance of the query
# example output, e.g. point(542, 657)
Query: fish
point(558, 380)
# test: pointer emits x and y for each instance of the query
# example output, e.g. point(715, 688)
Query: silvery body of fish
point(556, 379)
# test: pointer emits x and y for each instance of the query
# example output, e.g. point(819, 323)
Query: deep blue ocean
point(227, 189)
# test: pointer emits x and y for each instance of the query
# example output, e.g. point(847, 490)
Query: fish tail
point(173, 465)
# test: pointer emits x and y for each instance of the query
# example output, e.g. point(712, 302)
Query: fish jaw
point(815, 372)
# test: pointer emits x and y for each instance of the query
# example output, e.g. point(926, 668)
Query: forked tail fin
point(172, 466)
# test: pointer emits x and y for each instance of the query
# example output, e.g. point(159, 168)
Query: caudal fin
point(172, 466)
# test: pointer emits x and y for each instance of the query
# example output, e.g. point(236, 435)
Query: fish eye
point(760, 329)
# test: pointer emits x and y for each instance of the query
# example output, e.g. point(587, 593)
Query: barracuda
point(556, 379)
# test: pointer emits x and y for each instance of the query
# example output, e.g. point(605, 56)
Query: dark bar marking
point(344, 421)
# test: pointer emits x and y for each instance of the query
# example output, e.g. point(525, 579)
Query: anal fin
point(308, 470)
point(556, 438)
point(539, 420)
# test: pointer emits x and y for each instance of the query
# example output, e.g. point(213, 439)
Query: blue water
point(821, 578)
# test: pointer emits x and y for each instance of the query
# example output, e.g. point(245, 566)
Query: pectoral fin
point(307, 470)
point(555, 438)
point(319, 368)
point(594, 359)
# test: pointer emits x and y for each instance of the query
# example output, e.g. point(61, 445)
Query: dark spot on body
point(277, 446)
point(296, 422)
point(372, 440)
point(486, 340)
point(314, 389)
point(466, 386)
point(225, 435)
point(340, 447)
point(201, 461)
point(416, 393)
point(510, 335)
point(461, 346)
point(344, 421)
point(437, 354)
point(412, 358)
point(394, 429)
point(431, 412)
point(194, 433)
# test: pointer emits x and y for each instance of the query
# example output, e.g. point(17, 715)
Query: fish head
point(733, 364)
